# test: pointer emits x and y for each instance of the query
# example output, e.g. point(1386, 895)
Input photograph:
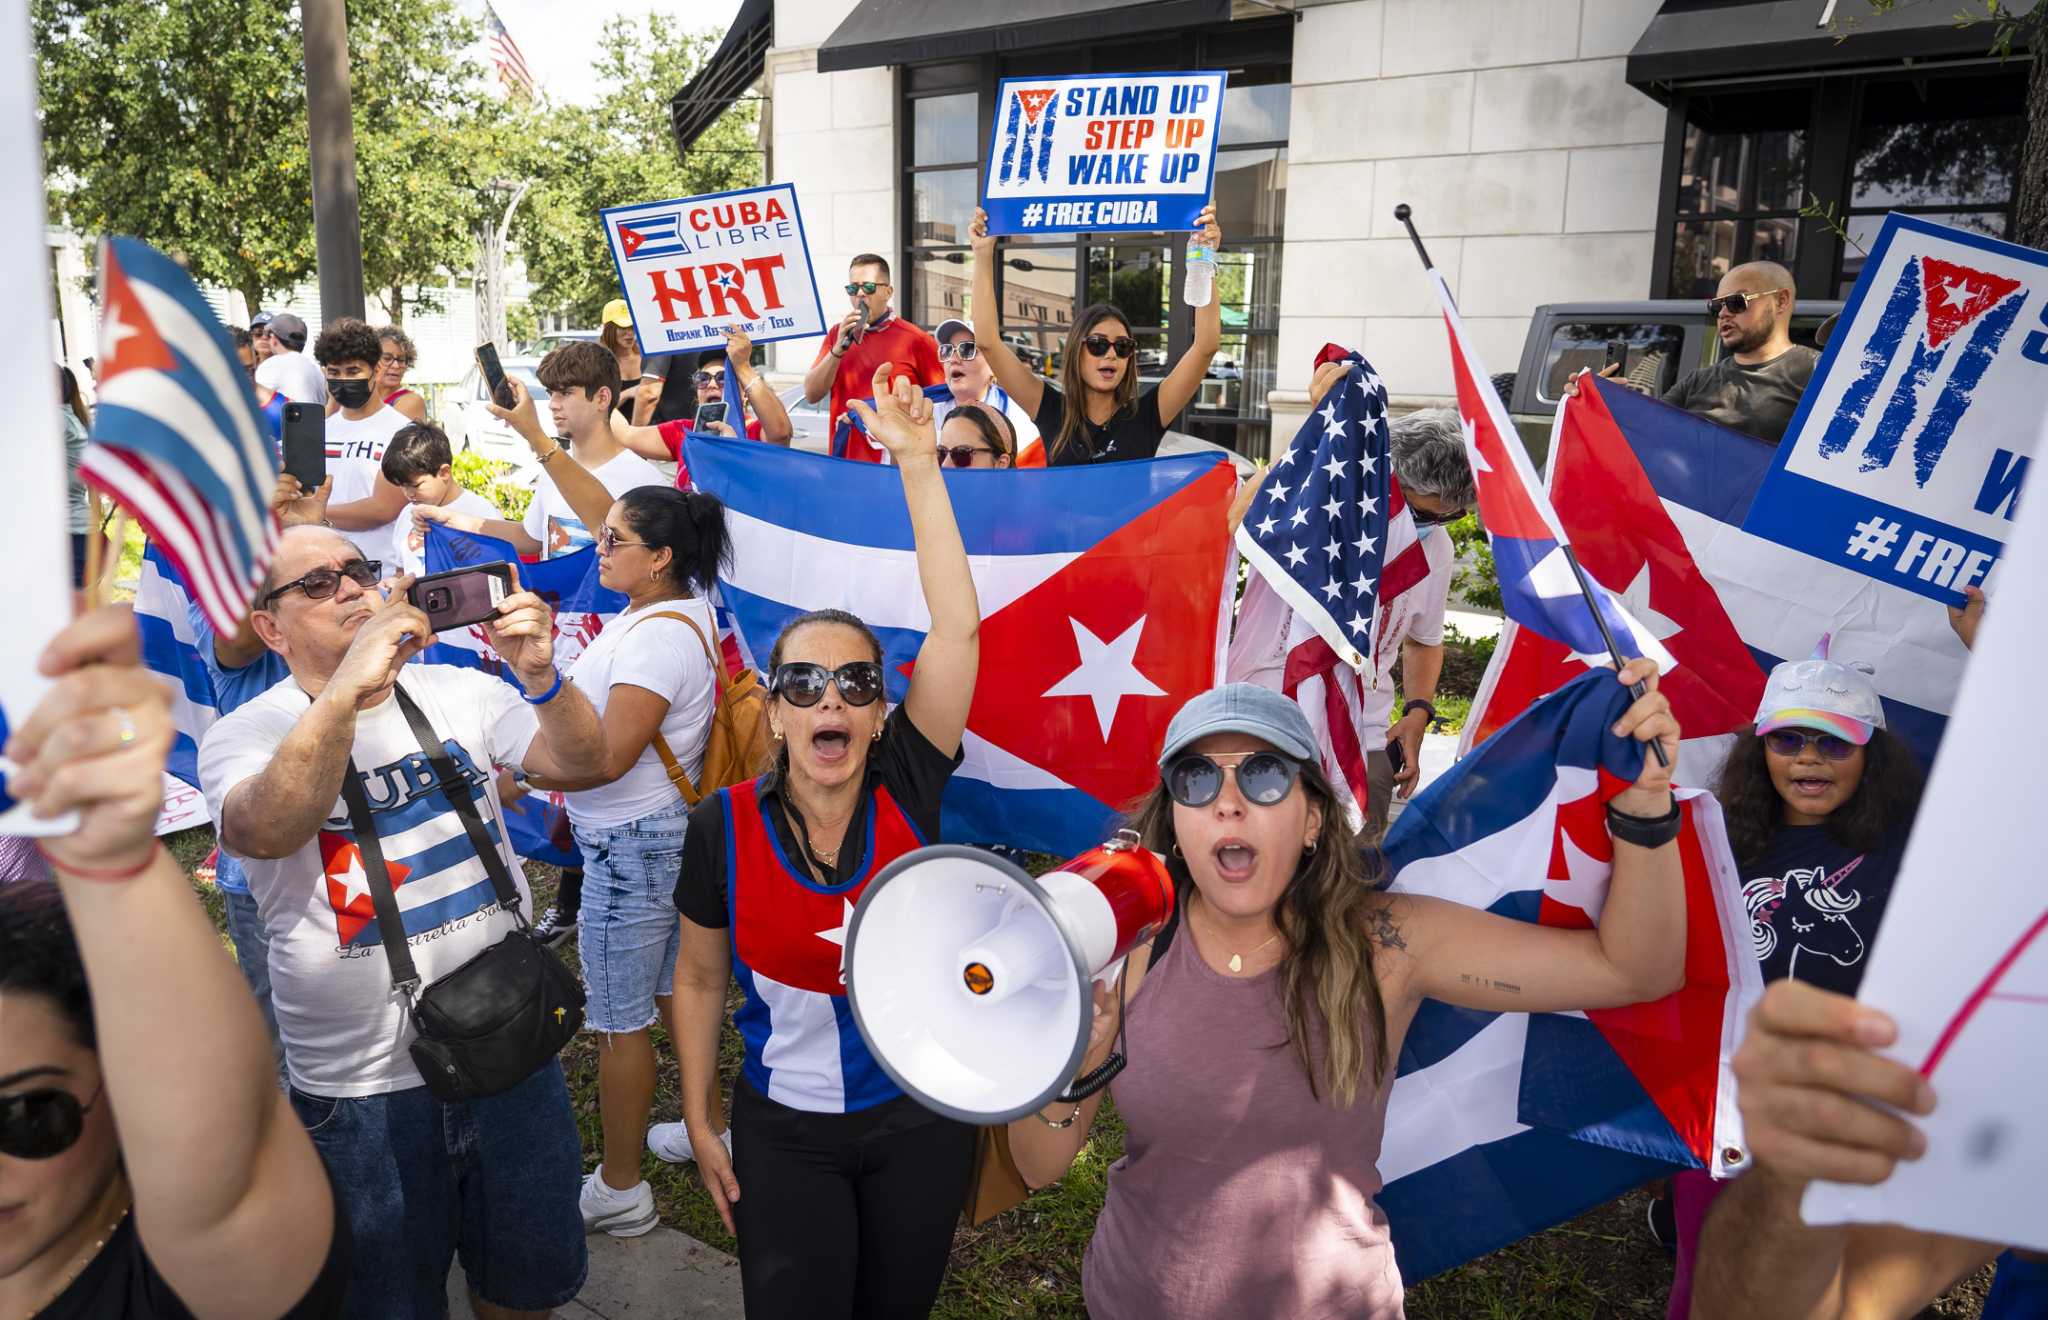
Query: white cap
point(1831, 696)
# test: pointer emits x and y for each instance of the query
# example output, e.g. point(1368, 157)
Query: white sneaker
point(621, 1214)
point(671, 1142)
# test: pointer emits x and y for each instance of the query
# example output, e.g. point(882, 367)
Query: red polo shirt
point(894, 341)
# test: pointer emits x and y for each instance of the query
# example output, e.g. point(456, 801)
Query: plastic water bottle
point(1200, 284)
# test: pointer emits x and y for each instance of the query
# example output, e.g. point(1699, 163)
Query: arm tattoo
point(1486, 983)
point(1384, 931)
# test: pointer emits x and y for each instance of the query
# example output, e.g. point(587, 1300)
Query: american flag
point(1331, 536)
point(505, 54)
point(177, 437)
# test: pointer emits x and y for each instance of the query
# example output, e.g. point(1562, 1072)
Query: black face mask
point(349, 393)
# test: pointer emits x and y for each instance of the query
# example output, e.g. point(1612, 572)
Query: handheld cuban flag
point(177, 436)
point(1501, 1124)
point(1105, 599)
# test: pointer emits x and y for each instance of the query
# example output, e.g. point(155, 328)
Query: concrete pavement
point(664, 1275)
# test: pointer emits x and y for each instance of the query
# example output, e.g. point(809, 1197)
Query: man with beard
point(1755, 387)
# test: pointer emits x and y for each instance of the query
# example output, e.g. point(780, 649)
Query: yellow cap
point(615, 313)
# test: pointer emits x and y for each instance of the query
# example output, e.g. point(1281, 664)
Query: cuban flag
point(177, 436)
point(1539, 585)
point(645, 237)
point(1655, 499)
point(1105, 601)
point(1501, 1124)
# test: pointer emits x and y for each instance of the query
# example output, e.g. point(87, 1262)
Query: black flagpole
point(1405, 216)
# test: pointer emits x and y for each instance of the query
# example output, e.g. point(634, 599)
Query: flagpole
point(1405, 215)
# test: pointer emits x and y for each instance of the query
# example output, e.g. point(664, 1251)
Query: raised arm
point(775, 426)
point(1043, 1152)
point(942, 683)
point(1177, 391)
point(1016, 377)
point(587, 497)
point(181, 1047)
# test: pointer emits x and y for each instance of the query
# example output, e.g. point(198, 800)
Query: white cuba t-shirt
point(664, 657)
point(355, 460)
point(549, 519)
point(344, 1027)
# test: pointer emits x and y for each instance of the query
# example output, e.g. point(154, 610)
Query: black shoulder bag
point(486, 1026)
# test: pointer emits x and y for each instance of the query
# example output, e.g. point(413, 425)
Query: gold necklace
point(91, 1254)
point(1236, 963)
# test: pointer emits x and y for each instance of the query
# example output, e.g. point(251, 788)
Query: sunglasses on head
point(962, 455)
point(1738, 303)
point(40, 1125)
point(323, 581)
point(863, 286)
point(965, 350)
point(803, 684)
point(1264, 778)
point(1791, 742)
point(1100, 345)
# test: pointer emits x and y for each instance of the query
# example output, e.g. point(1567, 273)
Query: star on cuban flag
point(348, 886)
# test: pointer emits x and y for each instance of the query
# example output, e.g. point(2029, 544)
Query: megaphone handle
point(1094, 1080)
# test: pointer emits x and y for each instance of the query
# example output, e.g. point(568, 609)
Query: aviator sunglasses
point(1790, 742)
point(803, 684)
point(40, 1125)
point(1737, 303)
point(1264, 778)
point(323, 582)
point(1100, 345)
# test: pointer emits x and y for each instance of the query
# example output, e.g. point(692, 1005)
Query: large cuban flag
point(1105, 602)
point(1501, 1124)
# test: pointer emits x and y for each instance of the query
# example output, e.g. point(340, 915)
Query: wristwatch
point(1422, 704)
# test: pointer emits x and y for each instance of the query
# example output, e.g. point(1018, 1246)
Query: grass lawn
point(1027, 1263)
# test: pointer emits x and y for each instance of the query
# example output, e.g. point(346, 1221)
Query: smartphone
point(1617, 355)
point(461, 596)
point(708, 414)
point(305, 444)
point(494, 374)
point(1397, 756)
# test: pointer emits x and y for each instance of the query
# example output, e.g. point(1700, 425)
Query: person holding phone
point(770, 421)
point(364, 505)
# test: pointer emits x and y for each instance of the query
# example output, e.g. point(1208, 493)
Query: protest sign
point(693, 266)
point(1961, 961)
point(184, 807)
point(1102, 152)
point(1906, 457)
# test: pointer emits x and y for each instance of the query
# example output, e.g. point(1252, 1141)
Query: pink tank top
point(1239, 1193)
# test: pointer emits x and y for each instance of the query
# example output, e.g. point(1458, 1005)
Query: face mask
point(349, 393)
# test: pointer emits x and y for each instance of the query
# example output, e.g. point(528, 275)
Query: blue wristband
point(547, 696)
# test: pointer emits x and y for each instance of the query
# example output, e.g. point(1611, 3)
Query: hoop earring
point(1178, 853)
point(1309, 850)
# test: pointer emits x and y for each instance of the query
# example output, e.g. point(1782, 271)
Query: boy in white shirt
point(363, 506)
point(420, 462)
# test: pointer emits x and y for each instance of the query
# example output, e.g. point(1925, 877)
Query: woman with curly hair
point(398, 357)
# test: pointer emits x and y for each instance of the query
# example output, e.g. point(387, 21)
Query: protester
point(259, 336)
point(664, 440)
point(968, 381)
point(268, 401)
point(245, 350)
point(1755, 389)
point(615, 332)
point(977, 435)
point(423, 1180)
point(1096, 413)
point(1246, 1184)
point(397, 356)
point(126, 1035)
point(869, 338)
point(420, 462)
point(285, 368)
point(77, 434)
point(842, 1190)
point(364, 505)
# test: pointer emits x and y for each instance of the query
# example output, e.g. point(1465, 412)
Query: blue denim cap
point(1241, 708)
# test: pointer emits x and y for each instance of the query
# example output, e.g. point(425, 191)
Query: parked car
point(471, 426)
point(554, 339)
point(809, 423)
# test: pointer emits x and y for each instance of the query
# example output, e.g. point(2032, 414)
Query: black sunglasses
point(962, 455)
point(40, 1125)
point(965, 350)
point(803, 684)
point(323, 581)
point(863, 286)
point(1423, 519)
point(1265, 778)
point(1790, 742)
point(1100, 345)
point(705, 378)
point(1738, 303)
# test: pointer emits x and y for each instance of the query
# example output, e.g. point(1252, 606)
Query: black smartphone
point(305, 444)
point(708, 414)
point(1617, 355)
point(461, 596)
point(494, 374)
point(1397, 756)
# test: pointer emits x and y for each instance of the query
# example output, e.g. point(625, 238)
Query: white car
point(810, 424)
point(471, 426)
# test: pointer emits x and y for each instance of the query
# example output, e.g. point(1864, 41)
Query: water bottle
point(1200, 284)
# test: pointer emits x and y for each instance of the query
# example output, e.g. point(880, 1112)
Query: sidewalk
point(656, 1277)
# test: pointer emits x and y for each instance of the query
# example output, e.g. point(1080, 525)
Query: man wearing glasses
point(1755, 387)
point(868, 338)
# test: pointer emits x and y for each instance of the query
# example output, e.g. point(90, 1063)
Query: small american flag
point(1331, 536)
point(177, 437)
point(505, 54)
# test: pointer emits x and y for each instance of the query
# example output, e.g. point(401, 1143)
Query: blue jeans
point(252, 955)
point(493, 1182)
point(628, 931)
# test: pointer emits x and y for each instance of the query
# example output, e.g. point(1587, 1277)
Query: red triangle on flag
point(1957, 295)
point(129, 340)
point(1033, 100)
point(630, 240)
point(341, 866)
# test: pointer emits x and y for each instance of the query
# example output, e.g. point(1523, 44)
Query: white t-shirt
point(412, 542)
point(295, 376)
point(665, 657)
point(550, 520)
point(355, 459)
point(344, 1028)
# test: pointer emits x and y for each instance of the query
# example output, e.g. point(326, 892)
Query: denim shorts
point(492, 1182)
point(628, 931)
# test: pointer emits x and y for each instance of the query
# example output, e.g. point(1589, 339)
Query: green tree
point(622, 150)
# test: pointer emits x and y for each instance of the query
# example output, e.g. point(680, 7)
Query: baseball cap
point(617, 313)
point(948, 326)
point(1828, 696)
point(258, 321)
point(289, 330)
point(1241, 708)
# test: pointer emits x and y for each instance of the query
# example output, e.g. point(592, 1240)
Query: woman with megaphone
point(841, 1189)
point(1261, 1040)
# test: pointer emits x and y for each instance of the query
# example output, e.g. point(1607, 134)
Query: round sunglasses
point(803, 684)
point(1100, 345)
point(1264, 778)
point(324, 581)
point(1789, 743)
point(40, 1125)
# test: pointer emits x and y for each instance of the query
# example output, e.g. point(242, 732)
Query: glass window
point(942, 205)
point(1649, 351)
point(1741, 172)
point(940, 284)
point(1255, 114)
point(1251, 192)
point(1132, 275)
point(1701, 253)
point(1862, 231)
point(1944, 142)
point(943, 130)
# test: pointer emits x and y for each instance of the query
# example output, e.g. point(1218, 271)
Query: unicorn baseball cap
point(1828, 696)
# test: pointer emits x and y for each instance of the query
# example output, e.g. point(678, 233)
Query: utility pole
point(337, 221)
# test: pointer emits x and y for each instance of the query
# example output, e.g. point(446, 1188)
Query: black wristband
point(1425, 705)
point(1644, 831)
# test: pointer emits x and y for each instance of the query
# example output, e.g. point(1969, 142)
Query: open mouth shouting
point(831, 742)
point(1236, 860)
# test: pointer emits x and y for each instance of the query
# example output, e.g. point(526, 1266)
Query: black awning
point(731, 71)
point(1691, 40)
point(880, 32)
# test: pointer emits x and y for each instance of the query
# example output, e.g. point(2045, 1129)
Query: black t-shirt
point(904, 762)
point(1814, 905)
point(1129, 435)
point(122, 1282)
